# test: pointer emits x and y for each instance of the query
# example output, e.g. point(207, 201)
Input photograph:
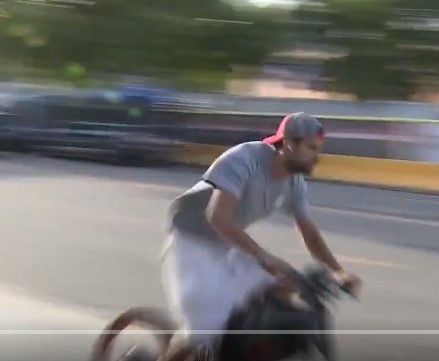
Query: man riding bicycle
point(211, 265)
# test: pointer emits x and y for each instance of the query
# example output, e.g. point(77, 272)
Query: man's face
point(302, 156)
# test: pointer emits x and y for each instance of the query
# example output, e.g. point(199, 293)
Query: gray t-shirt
point(245, 171)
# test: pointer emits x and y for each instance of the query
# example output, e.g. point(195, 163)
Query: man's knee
point(179, 349)
point(186, 344)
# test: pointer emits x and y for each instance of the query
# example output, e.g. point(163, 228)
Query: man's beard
point(298, 167)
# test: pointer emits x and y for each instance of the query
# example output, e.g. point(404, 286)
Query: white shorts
point(203, 284)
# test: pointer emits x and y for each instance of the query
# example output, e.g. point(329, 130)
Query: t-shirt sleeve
point(296, 198)
point(231, 170)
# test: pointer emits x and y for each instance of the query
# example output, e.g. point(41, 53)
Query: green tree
point(385, 47)
point(173, 37)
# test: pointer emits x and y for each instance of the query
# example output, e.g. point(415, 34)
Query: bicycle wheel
point(147, 318)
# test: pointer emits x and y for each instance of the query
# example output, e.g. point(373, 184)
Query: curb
point(387, 174)
point(383, 187)
point(345, 183)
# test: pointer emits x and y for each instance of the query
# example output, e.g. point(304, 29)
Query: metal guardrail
point(353, 109)
point(370, 137)
point(395, 138)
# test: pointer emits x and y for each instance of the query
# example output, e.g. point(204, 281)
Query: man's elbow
point(218, 221)
point(219, 212)
point(214, 218)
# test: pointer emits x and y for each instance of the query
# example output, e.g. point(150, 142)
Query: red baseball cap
point(297, 125)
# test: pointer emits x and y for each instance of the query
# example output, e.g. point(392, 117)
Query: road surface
point(79, 243)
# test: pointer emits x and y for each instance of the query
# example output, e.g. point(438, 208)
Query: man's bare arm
point(220, 214)
point(315, 243)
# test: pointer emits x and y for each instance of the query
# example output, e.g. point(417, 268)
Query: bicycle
point(316, 289)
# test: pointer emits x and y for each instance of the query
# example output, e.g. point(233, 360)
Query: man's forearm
point(316, 245)
point(229, 232)
point(319, 249)
point(219, 213)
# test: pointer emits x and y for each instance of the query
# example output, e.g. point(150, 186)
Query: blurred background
point(72, 67)
point(331, 49)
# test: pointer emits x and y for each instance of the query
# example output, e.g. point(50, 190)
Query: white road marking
point(172, 188)
point(377, 216)
point(433, 199)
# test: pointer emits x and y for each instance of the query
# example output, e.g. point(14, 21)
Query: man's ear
point(289, 145)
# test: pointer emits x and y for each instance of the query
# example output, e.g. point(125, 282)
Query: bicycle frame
point(315, 286)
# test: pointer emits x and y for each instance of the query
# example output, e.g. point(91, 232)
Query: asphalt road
point(87, 236)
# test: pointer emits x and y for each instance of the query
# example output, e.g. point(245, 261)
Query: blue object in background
point(144, 95)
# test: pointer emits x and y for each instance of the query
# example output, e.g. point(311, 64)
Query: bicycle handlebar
point(318, 282)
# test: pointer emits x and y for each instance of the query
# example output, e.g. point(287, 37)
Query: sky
point(266, 3)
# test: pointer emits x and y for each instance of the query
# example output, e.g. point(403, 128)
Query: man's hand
point(318, 248)
point(350, 280)
point(279, 268)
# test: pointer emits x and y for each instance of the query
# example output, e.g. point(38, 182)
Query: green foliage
point(174, 37)
point(389, 47)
